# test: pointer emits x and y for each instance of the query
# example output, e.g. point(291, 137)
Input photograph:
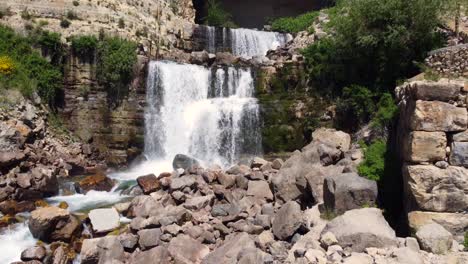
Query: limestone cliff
point(157, 24)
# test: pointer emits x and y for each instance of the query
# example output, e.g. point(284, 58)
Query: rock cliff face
point(118, 133)
point(433, 133)
point(159, 25)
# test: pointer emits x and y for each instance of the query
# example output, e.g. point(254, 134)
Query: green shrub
point(294, 24)
point(373, 166)
point(84, 46)
point(71, 15)
point(355, 107)
point(465, 241)
point(26, 15)
point(386, 112)
point(64, 23)
point(76, 3)
point(121, 23)
point(32, 72)
point(217, 16)
point(116, 59)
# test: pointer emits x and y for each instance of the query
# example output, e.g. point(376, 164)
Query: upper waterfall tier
point(209, 114)
point(240, 42)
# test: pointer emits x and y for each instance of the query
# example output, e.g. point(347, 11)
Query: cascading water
point(209, 114)
point(241, 42)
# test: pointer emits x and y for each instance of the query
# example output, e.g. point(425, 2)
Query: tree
point(217, 16)
point(455, 9)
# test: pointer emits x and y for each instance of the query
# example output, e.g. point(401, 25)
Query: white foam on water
point(90, 200)
point(13, 240)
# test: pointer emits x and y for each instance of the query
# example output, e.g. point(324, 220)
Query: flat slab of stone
point(435, 91)
point(362, 228)
point(104, 220)
point(434, 238)
point(260, 189)
point(348, 191)
point(459, 154)
point(435, 189)
point(425, 146)
point(438, 116)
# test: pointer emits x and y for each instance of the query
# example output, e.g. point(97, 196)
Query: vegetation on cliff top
point(294, 24)
point(25, 69)
point(217, 16)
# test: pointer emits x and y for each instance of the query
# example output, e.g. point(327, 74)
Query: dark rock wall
point(118, 132)
point(254, 14)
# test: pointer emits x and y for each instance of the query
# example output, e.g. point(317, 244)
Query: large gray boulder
point(459, 154)
point(455, 223)
point(438, 116)
point(53, 224)
point(185, 249)
point(102, 250)
point(185, 162)
point(434, 238)
point(157, 255)
point(149, 238)
point(104, 220)
point(435, 189)
point(348, 191)
point(362, 228)
point(287, 220)
point(229, 251)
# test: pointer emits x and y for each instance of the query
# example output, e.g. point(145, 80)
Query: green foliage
point(387, 110)
point(71, 15)
point(356, 106)
point(65, 23)
point(465, 241)
point(217, 16)
point(121, 23)
point(26, 15)
point(32, 72)
point(84, 46)
point(374, 161)
point(76, 3)
point(294, 24)
point(373, 43)
point(116, 59)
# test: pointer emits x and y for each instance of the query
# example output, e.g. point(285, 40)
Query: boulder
point(435, 91)
point(277, 164)
point(185, 249)
point(52, 224)
point(104, 220)
point(149, 183)
point(459, 154)
point(348, 191)
point(12, 207)
point(333, 138)
point(425, 146)
point(230, 249)
point(10, 159)
point(434, 238)
point(102, 250)
point(182, 182)
point(225, 58)
point(199, 57)
point(257, 162)
point(438, 116)
point(185, 162)
point(199, 202)
point(129, 241)
point(260, 189)
point(455, 223)
point(362, 228)
point(287, 220)
point(435, 189)
point(461, 137)
point(97, 182)
point(33, 253)
point(157, 255)
point(61, 255)
point(149, 238)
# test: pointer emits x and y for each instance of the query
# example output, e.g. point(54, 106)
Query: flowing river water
point(210, 114)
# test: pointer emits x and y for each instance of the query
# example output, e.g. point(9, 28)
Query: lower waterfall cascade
point(210, 114)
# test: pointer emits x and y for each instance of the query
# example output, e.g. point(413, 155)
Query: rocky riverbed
point(311, 208)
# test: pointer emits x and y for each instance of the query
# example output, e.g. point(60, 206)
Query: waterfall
point(209, 114)
point(240, 42)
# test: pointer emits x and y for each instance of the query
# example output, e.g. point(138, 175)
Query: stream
point(207, 113)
